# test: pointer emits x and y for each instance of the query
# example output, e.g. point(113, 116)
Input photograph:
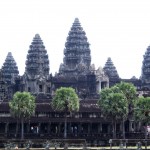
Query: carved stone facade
point(145, 77)
point(77, 58)
point(76, 70)
point(36, 77)
point(102, 79)
point(10, 73)
point(10, 69)
point(111, 72)
point(3, 87)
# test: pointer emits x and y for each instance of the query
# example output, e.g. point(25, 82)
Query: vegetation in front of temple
point(142, 111)
point(67, 100)
point(113, 105)
point(22, 106)
point(116, 103)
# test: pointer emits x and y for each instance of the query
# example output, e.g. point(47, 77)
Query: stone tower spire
point(77, 58)
point(145, 77)
point(10, 69)
point(37, 77)
point(111, 71)
point(3, 87)
point(37, 62)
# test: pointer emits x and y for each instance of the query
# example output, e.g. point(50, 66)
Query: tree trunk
point(17, 124)
point(65, 126)
point(22, 128)
point(123, 129)
point(114, 129)
point(146, 136)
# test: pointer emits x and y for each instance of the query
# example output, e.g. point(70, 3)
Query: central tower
point(77, 58)
point(76, 70)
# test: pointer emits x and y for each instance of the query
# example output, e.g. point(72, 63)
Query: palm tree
point(142, 111)
point(129, 91)
point(22, 106)
point(113, 105)
point(66, 100)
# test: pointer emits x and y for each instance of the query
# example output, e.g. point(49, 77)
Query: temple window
point(48, 89)
point(103, 85)
point(40, 88)
point(29, 89)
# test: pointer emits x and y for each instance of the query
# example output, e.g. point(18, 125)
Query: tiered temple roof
point(77, 57)
point(146, 69)
point(76, 70)
point(3, 87)
point(111, 71)
point(10, 69)
point(37, 59)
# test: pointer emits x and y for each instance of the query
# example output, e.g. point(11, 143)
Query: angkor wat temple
point(76, 71)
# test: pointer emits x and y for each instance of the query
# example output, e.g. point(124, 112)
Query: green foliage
point(128, 89)
point(65, 98)
point(142, 109)
point(113, 104)
point(22, 105)
point(117, 100)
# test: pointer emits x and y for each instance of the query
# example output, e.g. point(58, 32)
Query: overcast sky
point(119, 29)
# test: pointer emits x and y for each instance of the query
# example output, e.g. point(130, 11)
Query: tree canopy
point(116, 102)
point(65, 98)
point(22, 104)
point(128, 89)
point(121, 95)
point(113, 104)
point(142, 112)
point(142, 109)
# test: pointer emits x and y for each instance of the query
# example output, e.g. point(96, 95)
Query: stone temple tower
point(10, 69)
point(111, 72)
point(3, 88)
point(77, 58)
point(10, 74)
point(145, 77)
point(36, 75)
point(76, 70)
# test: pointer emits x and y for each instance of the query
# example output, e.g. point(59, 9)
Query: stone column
point(28, 127)
point(131, 129)
point(69, 127)
point(98, 87)
point(109, 128)
point(89, 128)
point(59, 128)
point(139, 126)
point(107, 84)
point(48, 127)
point(99, 127)
point(16, 132)
point(121, 126)
point(79, 129)
point(38, 128)
point(6, 128)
